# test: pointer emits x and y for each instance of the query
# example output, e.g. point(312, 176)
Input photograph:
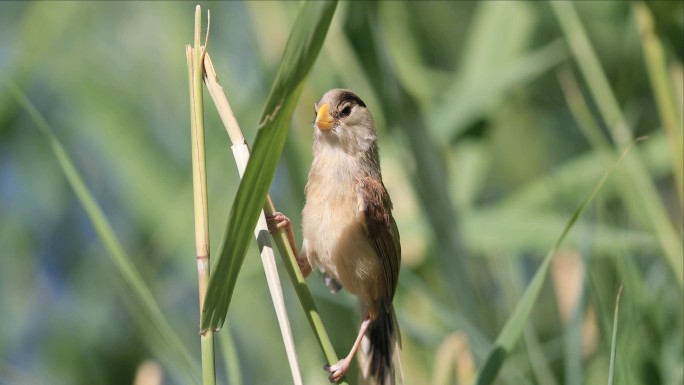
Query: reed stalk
point(199, 182)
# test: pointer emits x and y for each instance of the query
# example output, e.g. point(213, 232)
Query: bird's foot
point(278, 221)
point(338, 370)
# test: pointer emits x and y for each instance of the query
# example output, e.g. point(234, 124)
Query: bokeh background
point(485, 148)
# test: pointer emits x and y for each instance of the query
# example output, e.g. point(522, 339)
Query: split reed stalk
point(199, 182)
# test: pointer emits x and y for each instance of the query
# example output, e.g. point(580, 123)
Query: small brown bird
point(349, 232)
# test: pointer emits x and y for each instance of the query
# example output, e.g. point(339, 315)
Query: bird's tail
point(379, 358)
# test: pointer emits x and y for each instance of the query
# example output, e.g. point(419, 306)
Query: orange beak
point(324, 121)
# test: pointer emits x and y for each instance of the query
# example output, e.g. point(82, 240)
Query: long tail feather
point(380, 350)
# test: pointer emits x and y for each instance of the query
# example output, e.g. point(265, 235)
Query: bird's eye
point(345, 111)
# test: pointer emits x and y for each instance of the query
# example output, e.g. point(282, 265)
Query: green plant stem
point(663, 92)
point(230, 358)
point(302, 290)
point(639, 183)
point(286, 252)
point(199, 182)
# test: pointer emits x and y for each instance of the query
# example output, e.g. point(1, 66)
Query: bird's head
point(342, 119)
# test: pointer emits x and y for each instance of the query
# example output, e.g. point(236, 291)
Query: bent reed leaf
point(302, 48)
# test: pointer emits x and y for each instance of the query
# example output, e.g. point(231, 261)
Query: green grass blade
point(613, 344)
point(301, 51)
point(106, 234)
point(639, 184)
point(513, 328)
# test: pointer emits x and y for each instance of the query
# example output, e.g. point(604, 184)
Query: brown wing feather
point(381, 229)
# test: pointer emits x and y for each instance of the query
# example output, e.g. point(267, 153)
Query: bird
point(349, 233)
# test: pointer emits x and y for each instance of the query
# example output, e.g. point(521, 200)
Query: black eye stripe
point(350, 97)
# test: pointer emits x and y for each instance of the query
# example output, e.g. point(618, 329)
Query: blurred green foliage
point(484, 159)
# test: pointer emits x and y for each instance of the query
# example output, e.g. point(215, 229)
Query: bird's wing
point(375, 208)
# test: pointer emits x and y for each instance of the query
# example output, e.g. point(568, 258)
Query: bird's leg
point(338, 370)
point(276, 222)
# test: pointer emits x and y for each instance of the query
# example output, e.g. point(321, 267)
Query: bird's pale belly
point(337, 244)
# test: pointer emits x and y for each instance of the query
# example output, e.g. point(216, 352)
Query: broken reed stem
point(286, 252)
point(199, 183)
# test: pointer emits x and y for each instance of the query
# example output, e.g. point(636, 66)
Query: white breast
point(334, 237)
point(330, 206)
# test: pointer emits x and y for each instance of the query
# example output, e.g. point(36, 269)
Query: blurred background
point(490, 136)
